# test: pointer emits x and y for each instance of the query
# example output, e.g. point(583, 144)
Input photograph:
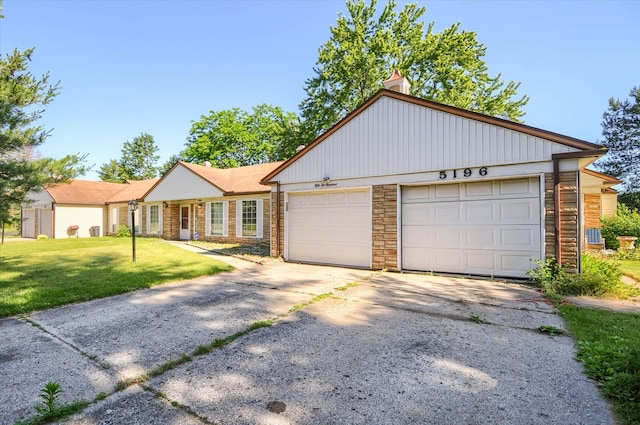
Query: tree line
point(365, 45)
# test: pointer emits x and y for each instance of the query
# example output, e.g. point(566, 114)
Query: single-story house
point(401, 183)
point(78, 208)
point(404, 183)
point(207, 203)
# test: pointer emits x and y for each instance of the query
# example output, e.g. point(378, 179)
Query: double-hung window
point(217, 218)
point(249, 218)
point(154, 220)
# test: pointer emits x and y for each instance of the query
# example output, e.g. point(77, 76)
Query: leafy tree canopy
point(22, 98)
point(621, 135)
point(138, 161)
point(365, 47)
point(234, 138)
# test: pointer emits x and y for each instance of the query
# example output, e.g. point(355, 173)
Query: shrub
point(625, 223)
point(123, 232)
point(42, 237)
point(599, 277)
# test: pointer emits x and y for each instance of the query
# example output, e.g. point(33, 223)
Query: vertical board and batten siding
point(393, 137)
point(182, 184)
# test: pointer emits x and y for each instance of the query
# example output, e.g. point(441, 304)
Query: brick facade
point(277, 246)
point(568, 219)
point(171, 223)
point(385, 227)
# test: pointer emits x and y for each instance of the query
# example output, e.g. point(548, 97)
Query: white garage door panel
point(330, 228)
point(29, 223)
point(489, 227)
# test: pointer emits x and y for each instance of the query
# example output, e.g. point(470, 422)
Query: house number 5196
point(467, 172)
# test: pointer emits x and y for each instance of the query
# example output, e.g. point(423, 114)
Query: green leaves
point(138, 161)
point(621, 133)
point(365, 47)
point(234, 138)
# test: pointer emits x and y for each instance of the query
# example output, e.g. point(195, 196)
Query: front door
point(185, 225)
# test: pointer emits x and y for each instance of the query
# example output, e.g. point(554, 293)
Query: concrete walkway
point(347, 346)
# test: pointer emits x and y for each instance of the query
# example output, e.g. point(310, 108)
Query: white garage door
point(330, 227)
point(486, 228)
point(29, 224)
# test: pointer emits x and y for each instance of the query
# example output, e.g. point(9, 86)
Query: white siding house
point(408, 184)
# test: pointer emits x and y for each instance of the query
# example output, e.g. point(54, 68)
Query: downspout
point(278, 219)
point(556, 201)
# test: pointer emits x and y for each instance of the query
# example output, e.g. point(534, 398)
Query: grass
point(609, 347)
point(50, 273)
point(630, 268)
point(255, 253)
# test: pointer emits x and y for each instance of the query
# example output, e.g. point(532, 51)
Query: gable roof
point(510, 125)
point(230, 181)
point(133, 189)
point(606, 178)
point(84, 192)
point(87, 192)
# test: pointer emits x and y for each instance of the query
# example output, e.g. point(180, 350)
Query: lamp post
point(133, 207)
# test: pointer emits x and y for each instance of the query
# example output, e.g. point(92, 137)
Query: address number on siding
point(467, 172)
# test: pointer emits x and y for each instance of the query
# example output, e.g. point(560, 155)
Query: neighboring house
point(206, 203)
point(600, 199)
point(404, 183)
point(77, 208)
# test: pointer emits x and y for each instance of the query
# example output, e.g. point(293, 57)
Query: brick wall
point(274, 225)
point(171, 223)
point(568, 218)
point(385, 227)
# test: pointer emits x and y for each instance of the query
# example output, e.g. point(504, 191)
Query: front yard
point(50, 273)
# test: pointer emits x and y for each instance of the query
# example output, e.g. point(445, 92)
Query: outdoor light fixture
point(133, 207)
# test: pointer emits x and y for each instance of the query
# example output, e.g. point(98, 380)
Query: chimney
point(397, 83)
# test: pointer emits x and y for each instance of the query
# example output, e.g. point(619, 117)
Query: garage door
point(29, 224)
point(486, 228)
point(330, 227)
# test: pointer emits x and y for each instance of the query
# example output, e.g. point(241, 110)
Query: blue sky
point(128, 67)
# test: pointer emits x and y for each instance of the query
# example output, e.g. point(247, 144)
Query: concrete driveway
point(347, 347)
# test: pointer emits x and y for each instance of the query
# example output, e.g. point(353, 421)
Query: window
point(154, 220)
point(249, 218)
point(114, 220)
point(216, 218)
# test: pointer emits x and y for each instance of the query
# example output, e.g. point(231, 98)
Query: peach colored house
point(78, 208)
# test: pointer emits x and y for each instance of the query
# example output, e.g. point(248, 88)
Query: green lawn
point(50, 273)
point(630, 268)
point(609, 347)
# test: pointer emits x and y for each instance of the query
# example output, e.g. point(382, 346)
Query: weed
point(477, 319)
point(101, 396)
point(168, 365)
point(599, 277)
point(49, 394)
point(260, 324)
point(551, 330)
point(52, 409)
point(347, 286)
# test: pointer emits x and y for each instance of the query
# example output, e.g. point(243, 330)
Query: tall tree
point(621, 135)
point(365, 47)
point(138, 161)
point(22, 98)
point(233, 137)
